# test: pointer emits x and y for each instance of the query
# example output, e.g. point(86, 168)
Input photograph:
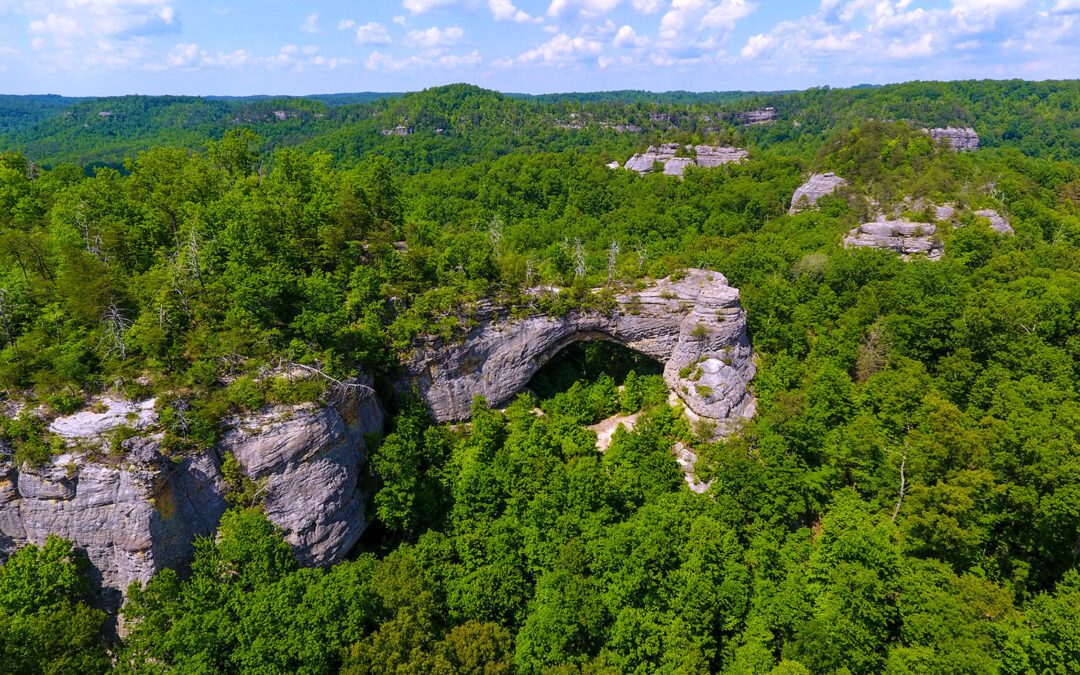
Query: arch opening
point(593, 379)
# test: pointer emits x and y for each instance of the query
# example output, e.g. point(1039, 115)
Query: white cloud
point(421, 6)
point(399, 20)
point(647, 6)
point(345, 24)
point(693, 15)
point(435, 37)
point(72, 20)
point(1065, 6)
point(756, 45)
point(380, 61)
point(627, 37)
point(372, 34)
point(921, 47)
point(311, 25)
point(184, 55)
point(562, 49)
point(504, 10)
point(587, 8)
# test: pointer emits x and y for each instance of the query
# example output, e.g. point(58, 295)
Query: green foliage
point(45, 624)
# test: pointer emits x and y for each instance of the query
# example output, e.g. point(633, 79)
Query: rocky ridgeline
point(902, 236)
point(961, 139)
point(693, 324)
point(706, 156)
point(139, 512)
point(819, 185)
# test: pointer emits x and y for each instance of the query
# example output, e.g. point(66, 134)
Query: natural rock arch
point(692, 323)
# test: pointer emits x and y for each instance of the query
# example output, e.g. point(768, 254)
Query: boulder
point(693, 323)
point(901, 236)
point(998, 222)
point(961, 139)
point(819, 185)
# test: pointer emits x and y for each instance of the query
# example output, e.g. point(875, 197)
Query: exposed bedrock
point(818, 186)
point(901, 236)
point(694, 325)
point(962, 139)
point(139, 512)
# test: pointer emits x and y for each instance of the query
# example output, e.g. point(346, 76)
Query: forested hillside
point(905, 500)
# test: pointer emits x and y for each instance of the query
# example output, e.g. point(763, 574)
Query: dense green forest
point(906, 499)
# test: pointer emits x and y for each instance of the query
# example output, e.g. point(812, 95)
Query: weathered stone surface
point(132, 519)
point(961, 139)
point(309, 461)
point(694, 325)
point(819, 185)
point(106, 414)
point(901, 236)
point(998, 222)
point(707, 156)
point(141, 512)
point(752, 117)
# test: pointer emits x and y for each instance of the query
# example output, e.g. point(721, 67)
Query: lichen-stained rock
point(106, 414)
point(819, 185)
point(139, 512)
point(998, 222)
point(692, 322)
point(133, 517)
point(901, 236)
point(308, 460)
point(707, 156)
point(962, 139)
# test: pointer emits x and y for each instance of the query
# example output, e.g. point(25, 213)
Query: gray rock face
point(819, 185)
point(901, 236)
point(694, 325)
point(707, 156)
point(132, 518)
point(752, 117)
point(309, 461)
point(141, 512)
point(998, 222)
point(961, 139)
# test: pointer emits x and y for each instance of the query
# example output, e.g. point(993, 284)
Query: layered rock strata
point(706, 156)
point(900, 236)
point(962, 139)
point(819, 185)
point(692, 323)
point(137, 512)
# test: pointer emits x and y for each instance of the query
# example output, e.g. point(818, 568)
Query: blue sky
point(100, 47)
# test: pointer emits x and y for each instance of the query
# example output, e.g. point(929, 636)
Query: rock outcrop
point(138, 512)
point(998, 222)
point(308, 461)
point(693, 323)
point(753, 117)
point(819, 185)
point(706, 156)
point(962, 139)
point(901, 236)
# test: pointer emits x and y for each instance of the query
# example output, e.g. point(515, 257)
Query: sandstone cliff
point(138, 512)
point(818, 186)
point(692, 323)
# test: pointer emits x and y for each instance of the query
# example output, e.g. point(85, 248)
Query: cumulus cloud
point(372, 34)
point(628, 37)
point(311, 25)
point(587, 8)
point(435, 37)
point(692, 15)
point(101, 19)
point(504, 10)
point(562, 49)
point(421, 6)
point(380, 61)
point(345, 24)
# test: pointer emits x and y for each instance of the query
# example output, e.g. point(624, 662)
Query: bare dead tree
point(117, 326)
point(612, 259)
point(4, 316)
point(340, 387)
point(495, 233)
point(642, 255)
point(579, 260)
point(903, 483)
